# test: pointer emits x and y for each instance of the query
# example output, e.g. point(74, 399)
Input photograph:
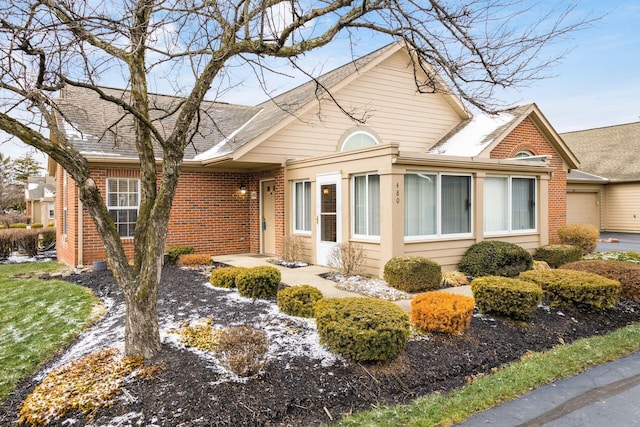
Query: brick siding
point(527, 137)
point(208, 213)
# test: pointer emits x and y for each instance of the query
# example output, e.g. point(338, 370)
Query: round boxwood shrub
point(505, 296)
point(413, 274)
point(495, 258)
point(583, 235)
point(362, 329)
point(299, 300)
point(442, 312)
point(225, 277)
point(569, 287)
point(258, 282)
point(173, 253)
point(556, 255)
point(627, 273)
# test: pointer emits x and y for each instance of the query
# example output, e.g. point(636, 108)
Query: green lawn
point(37, 318)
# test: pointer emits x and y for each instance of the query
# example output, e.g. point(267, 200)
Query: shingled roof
point(611, 152)
point(100, 128)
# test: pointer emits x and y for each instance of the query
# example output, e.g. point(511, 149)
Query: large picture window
point(509, 204)
point(123, 201)
point(302, 206)
point(366, 205)
point(437, 204)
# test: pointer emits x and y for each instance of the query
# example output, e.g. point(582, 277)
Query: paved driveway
point(626, 242)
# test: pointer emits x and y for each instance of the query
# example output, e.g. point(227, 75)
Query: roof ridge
point(601, 127)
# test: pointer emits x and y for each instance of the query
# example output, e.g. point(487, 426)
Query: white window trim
point(358, 132)
point(439, 235)
point(294, 204)
point(510, 230)
point(137, 208)
point(362, 237)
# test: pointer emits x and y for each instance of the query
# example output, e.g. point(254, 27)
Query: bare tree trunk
point(141, 333)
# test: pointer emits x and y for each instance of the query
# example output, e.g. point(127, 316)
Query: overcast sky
point(597, 84)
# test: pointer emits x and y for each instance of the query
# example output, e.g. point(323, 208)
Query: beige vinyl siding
point(447, 253)
point(623, 207)
point(387, 95)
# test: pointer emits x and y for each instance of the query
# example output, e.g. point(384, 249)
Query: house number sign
point(397, 192)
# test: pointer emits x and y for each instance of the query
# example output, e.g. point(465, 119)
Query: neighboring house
point(605, 191)
point(40, 199)
point(421, 177)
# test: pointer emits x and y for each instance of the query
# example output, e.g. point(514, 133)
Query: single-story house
point(422, 176)
point(605, 191)
point(39, 196)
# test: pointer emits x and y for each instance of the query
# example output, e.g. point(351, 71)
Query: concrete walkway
point(311, 276)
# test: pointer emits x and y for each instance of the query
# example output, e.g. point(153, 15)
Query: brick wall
point(527, 137)
point(66, 196)
point(208, 212)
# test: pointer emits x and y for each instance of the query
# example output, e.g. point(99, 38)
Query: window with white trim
point(358, 139)
point(366, 205)
point(302, 206)
point(52, 210)
point(509, 204)
point(123, 201)
point(437, 204)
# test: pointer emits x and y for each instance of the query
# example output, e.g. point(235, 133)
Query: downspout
point(80, 237)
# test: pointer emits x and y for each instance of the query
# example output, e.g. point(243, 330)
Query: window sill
point(445, 237)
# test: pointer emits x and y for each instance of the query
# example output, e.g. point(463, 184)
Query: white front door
point(328, 215)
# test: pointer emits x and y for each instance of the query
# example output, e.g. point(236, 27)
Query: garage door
point(583, 208)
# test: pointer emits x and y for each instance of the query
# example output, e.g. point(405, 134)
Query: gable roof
point(101, 128)
point(611, 152)
point(478, 135)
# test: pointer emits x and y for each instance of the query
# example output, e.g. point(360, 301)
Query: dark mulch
point(298, 391)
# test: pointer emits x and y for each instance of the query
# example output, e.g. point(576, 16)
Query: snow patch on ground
point(107, 333)
point(374, 288)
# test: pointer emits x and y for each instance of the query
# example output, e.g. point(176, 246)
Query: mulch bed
point(296, 390)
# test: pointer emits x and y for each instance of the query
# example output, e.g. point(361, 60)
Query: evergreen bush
point(505, 296)
point(362, 329)
point(413, 274)
point(495, 258)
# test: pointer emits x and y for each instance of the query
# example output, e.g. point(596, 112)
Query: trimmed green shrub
point(37, 225)
point(225, 277)
point(174, 252)
point(556, 255)
point(627, 273)
point(495, 258)
point(583, 235)
point(362, 329)
point(258, 282)
point(299, 300)
point(505, 296)
point(413, 274)
point(18, 225)
point(442, 312)
point(569, 287)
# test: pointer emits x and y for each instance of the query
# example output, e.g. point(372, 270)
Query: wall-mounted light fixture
point(325, 191)
point(243, 189)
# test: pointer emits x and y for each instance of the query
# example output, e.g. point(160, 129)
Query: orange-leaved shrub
point(442, 312)
point(194, 260)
